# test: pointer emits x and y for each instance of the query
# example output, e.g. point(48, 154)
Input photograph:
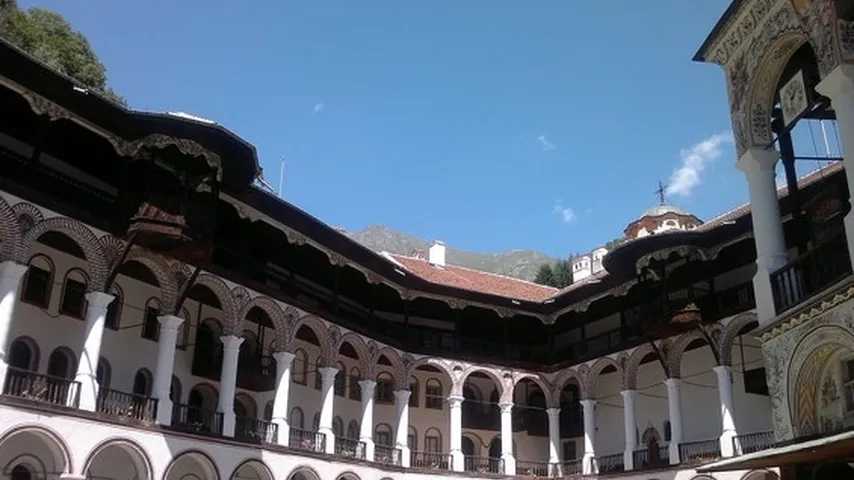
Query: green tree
point(563, 273)
point(48, 37)
point(545, 275)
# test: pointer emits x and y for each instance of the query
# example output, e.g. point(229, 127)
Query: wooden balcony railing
point(253, 430)
point(307, 440)
point(642, 458)
point(387, 455)
point(484, 464)
point(188, 418)
point(752, 442)
point(810, 273)
point(431, 460)
point(702, 451)
point(349, 447)
point(127, 406)
point(42, 388)
point(609, 463)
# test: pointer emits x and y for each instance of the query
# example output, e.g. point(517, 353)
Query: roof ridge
point(507, 277)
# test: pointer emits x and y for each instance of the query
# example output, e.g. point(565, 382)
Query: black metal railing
point(702, 451)
point(812, 272)
point(188, 418)
point(349, 447)
point(431, 460)
point(387, 455)
point(642, 459)
point(567, 469)
point(127, 406)
point(609, 463)
point(752, 442)
point(477, 464)
point(533, 469)
point(42, 388)
point(253, 430)
point(307, 440)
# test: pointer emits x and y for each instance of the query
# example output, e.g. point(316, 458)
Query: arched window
point(318, 379)
point(353, 430)
point(24, 354)
point(433, 440)
point(338, 426)
point(175, 390)
point(355, 388)
point(62, 363)
point(382, 435)
point(103, 373)
point(207, 356)
point(142, 382)
point(150, 324)
point(73, 301)
point(316, 422)
point(300, 366)
point(38, 281)
point(114, 309)
point(412, 439)
point(21, 472)
point(413, 392)
point(341, 380)
point(268, 411)
point(184, 335)
point(434, 397)
point(385, 388)
point(667, 432)
point(297, 419)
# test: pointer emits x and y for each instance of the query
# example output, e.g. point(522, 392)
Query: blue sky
point(491, 125)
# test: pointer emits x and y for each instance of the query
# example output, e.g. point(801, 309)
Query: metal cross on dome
point(660, 192)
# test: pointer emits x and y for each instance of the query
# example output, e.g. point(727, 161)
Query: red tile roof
point(474, 280)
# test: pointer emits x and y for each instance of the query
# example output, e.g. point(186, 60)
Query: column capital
point(231, 342)
point(722, 369)
point(13, 270)
point(169, 322)
point(629, 393)
point(328, 373)
point(587, 403)
point(553, 412)
point(673, 382)
point(402, 395)
point(455, 400)
point(283, 358)
point(757, 160)
point(367, 384)
point(506, 407)
point(99, 299)
point(838, 82)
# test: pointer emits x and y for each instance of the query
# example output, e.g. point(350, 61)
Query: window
point(268, 411)
point(754, 381)
point(353, 430)
point(74, 294)
point(62, 363)
point(667, 432)
point(300, 366)
point(848, 384)
point(21, 472)
point(38, 282)
point(413, 392)
point(355, 389)
point(24, 354)
point(385, 388)
point(412, 439)
point(142, 382)
point(316, 423)
point(341, 380)
point(382, 435)
point(114, 309)
point(433, 441)
point(296, 419)
point(318, 378)
point(184, 334)
point(103, 373)
point(150, 324)
point(338, 427)
point(433, 395)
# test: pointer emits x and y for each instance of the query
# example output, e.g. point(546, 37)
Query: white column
point(554, 435)
point(838, 85)
point(507, 438)
point(366, 427)
point(588, 466)
point(228, 381)
point(728, 431)
point(455, 408)
point(87, 367)
point(10, 281)
point(401, 403)
point(327, 398)
point(168, 337)
point(284, 361)
point(630, 425)
point(758, 166)
point(674, 406)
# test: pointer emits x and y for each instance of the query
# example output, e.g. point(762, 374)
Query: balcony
point(484, 465)
point(307, 440)
point(387, 455)
point(535, 469)
point(190, 419)
point(127, 407)
point(42, 388)
point(809, 274)
point(253, 430)
point(350, 448)
point(431, 460)
point(699, 452)
point(752, 442)
point(609, 463)
point(645, 458)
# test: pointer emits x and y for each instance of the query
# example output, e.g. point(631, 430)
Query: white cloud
point(694, 160)
point(546, 145)
point(566, 214)
point(318, 107)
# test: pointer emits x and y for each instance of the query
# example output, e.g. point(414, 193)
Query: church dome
point(662, 209)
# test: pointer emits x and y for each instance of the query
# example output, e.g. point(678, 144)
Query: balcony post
point(554, 435)
point(589, 459)
point(674, 407)
point(227, 381)
point(838, 86)
point(11, 274)
point(401, 401)
point(366, 427)
point(284, 361)
point(630, 426)
point(758, 166)
point(728, 431)
point(507, 438)
point(169, 325)
point(455, 408)
point(87, 367)
point(327, 397)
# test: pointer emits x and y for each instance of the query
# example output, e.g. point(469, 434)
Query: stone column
point(554, 439)
point(455, 407)
point(838, 85)
point(366, 427)
point(728, 431)
point(674, 406)
point(228, 381)
point(507, 438)
point(87, 367)
point(168, 337)
point(758, 166)
point(284, 361)
point(327, 398)
point(10, 281)
point(401, 403)
point(630, 425)
point(589, 460)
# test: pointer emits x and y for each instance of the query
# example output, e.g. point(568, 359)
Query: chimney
point(437, 254)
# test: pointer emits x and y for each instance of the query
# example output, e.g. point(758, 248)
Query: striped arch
point(280, 321)
point(397, 367)
point(541, 382)
point(504, 386)
point(563, 379)
point(316, 325)
point(11, 241)
point(630, 373)
point(730, 333)
point(86, 240)
point(28, 216)
point(430, 361)
point(674, 358)
point(161, 271)
point(596, 371)
point(223, 294)
point(361, 348)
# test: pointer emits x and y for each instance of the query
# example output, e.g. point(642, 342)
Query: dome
point(662, 209)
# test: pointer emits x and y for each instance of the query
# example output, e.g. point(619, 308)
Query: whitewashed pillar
point(10, 282)
point(758, 166)
point(284, 362)
point(366, 427)
point(838, 85)
point(554, 439)
point(728, 431)
point(455, 408)
point(168, 338)
point(87, 367)
point(589, 460)
point(507, 438)
point(327, 397)
point(630, 426)
point(228, 381)
point(674, 406)
point(401, 403)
